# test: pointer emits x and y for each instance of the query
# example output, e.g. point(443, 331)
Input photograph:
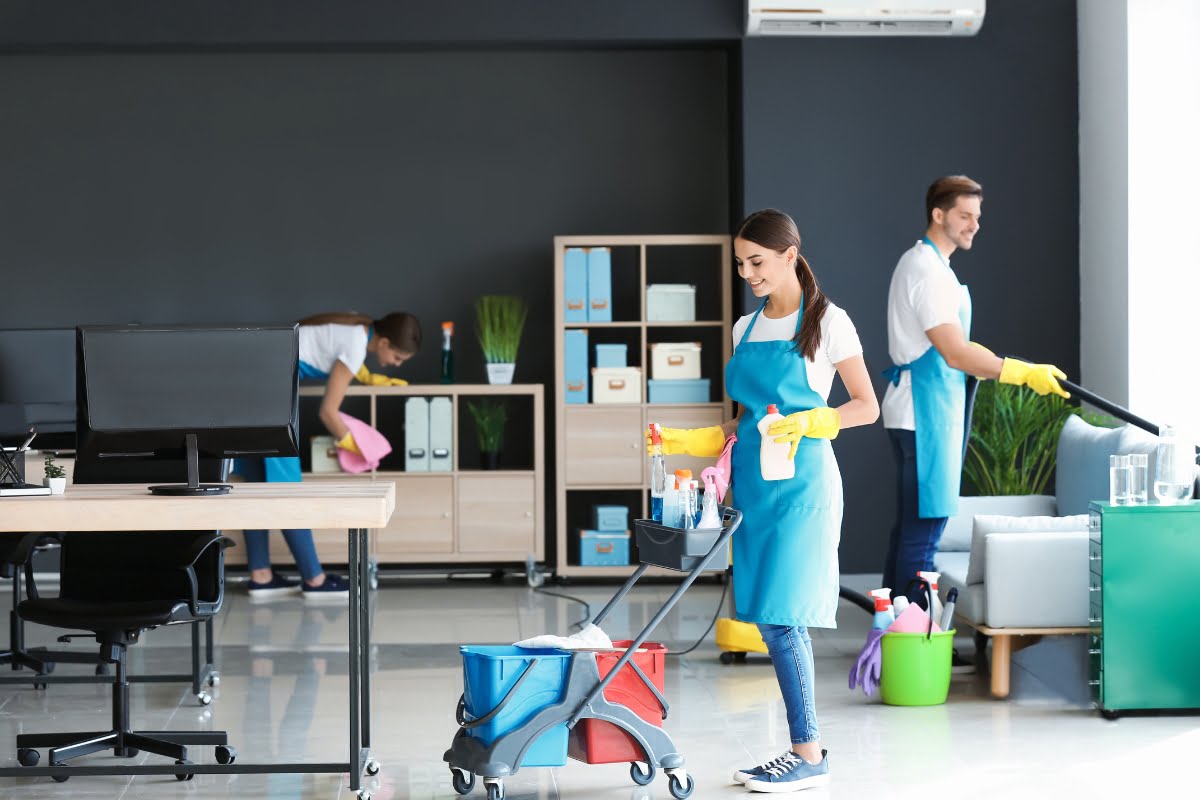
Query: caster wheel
point(205, 698)
point(363, 794)
point(186, 776)
point(642, 778)
point(47, 668)
point(740, 657)
point(726, 658)
point(28, 757)
point(214, 680)
point(463, 784)
point(495, 791)
point(1108, 714)
point(101, 669)
point(39, 685)
point(372, 767)
point(60, 778)
point(226, 754)
point(678, 790)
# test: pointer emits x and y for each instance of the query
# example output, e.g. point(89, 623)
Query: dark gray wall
point(846, 135)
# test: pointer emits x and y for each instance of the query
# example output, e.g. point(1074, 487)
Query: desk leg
point(364, 636)
point(360, 666)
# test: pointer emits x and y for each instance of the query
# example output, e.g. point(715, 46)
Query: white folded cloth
point(590, 638)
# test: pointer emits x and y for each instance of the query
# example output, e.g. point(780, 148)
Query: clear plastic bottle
point(682, 477)
point(1174, 468)
point(658, 473)
point(687, 506)
point(447, 353)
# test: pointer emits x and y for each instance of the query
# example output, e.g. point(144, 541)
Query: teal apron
point(287, 470)
point(939, 401)
point(786, 547)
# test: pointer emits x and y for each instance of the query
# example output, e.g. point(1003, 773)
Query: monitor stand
point(193, 486)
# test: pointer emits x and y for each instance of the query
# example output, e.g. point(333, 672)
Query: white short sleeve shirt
point(839, 341)
point(924, 294)
point(322, 346)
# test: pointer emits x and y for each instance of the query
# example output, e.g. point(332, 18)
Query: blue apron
point(287, 470)
point(939, 401)
point(786, 547)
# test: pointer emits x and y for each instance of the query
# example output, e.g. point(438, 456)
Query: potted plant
point(499, 321)
point(490, 417)
point(55, 476)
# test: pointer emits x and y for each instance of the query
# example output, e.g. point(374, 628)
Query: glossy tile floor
point(282, 696)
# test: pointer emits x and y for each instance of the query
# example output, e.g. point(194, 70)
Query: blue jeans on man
point(914, 541)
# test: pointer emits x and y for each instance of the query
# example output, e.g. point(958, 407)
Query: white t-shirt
point(322, 346)
point(839, 341)
point(924, 293)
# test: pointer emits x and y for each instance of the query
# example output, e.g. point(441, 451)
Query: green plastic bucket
point(915, 668)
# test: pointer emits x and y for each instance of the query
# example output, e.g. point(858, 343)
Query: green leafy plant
point(499, 321)
point(490, 417)
point(53, 470)
point(1014, 439)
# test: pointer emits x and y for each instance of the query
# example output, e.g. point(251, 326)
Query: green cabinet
point(1144, 643)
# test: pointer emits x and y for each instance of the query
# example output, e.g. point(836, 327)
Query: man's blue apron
point(939, 395)
point(786, 547)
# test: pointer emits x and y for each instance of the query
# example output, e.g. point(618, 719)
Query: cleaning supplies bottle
point(947, 622)
point(773, 456)
point(884, 615)
point(899, 604)
point(658, 473)
point(932, 577)
point(447, 353)
point(670, 507)
point(710, 515)
point(687, 506)
point(682, 476)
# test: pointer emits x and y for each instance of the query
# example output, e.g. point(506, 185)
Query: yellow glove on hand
point(1042, 378)
point(347, 443)
point(702, 442)
point(816, 423)
point(372, 379)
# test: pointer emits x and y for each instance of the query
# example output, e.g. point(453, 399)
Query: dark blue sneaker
point(273, 589)
point(792, 774)
point(743, 775)
point(334, 589)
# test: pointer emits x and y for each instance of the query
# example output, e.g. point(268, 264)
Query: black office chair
point(16, 559)
point(176, 577)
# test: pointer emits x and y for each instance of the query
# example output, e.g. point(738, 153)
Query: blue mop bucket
point(516, 683)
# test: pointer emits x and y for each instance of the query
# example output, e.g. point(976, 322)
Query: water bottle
point(1174, 468)
point(658, 473)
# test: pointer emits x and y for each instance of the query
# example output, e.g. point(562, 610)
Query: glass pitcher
point(1174, 468)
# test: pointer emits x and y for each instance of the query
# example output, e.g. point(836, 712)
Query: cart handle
point(461, 715)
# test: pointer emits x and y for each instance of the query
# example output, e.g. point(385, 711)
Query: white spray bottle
point(773, 456)
point(710, 517)
point(884, 615)
point(935, 612)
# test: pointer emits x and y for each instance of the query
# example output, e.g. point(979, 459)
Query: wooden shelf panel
point(433, 390)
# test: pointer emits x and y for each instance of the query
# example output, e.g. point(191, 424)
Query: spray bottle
point(884, 615)
point(658, 473)
point(773, 456)
point(710, 515)
point(932, 577)
point(447, 353)
point(691, 514)
point(675, 518)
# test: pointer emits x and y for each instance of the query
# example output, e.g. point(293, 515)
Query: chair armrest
point(1037, 579)
point(198, 547)
point(22, 557)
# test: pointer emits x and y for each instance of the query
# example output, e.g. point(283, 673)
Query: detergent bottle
point(773, 456)
point(884, 615)
point(658, 473)
point(710, 515)
point(932, 577)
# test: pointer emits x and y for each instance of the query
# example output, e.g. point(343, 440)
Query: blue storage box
point(489, 672)
point(610, 519)
point(612, 355)
point(599, 283)
point(688, 391)
point(603, 549)
point(575, 366)
point(575, 285)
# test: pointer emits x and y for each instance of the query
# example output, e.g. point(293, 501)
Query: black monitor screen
point(37, 380)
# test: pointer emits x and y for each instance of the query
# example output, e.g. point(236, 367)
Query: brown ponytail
point(777, 231)
point(401, 329)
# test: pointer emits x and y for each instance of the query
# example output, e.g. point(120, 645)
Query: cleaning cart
point(524, 707)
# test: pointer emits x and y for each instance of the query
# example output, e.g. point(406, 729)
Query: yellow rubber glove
point(702, 442)
point(347, 443)
point(372, 379)
point(816, 423)
point(1042, 378)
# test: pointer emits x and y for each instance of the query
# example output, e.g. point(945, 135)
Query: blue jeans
point(791, 653)
point(299, 540)
point(914, 541)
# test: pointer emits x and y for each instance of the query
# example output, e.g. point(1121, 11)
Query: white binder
point(416, 434)
point(441, 434)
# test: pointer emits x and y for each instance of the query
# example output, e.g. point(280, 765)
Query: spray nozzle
point(772, 409)
point(655, 433)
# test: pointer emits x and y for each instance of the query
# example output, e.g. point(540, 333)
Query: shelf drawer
point(1095, 557)
point(424, 518)
point(604, 446)
point(496, 514)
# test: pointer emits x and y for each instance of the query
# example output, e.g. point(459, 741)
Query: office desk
point(355, 505)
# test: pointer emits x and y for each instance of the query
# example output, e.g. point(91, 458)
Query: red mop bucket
point(594, 741)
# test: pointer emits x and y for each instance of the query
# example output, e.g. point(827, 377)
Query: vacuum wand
point(1123, 414)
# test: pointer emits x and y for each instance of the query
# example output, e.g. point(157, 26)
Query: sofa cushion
point(995, 523)
point(1081, 473)
point(952, 567)
point(956, 538)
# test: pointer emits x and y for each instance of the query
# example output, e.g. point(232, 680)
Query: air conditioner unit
point(864, 17)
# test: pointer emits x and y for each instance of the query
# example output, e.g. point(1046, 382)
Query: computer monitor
point(37, 385)
point(185, 391)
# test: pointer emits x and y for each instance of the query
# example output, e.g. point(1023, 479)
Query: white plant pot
point(500, 373)
point(57, 485)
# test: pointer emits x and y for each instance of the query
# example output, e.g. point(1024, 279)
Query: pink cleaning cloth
point(370, 442)
point(722, 469)
point(913, 619)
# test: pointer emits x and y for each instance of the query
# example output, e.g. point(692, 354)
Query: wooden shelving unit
point(600, 450)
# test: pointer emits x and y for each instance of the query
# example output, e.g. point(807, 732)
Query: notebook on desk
point(22, 489)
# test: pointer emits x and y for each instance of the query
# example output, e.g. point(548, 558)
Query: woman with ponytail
point(786, 354)
point(333, 348)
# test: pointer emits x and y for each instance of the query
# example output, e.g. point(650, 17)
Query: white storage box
point(324, 454)
point(670, 302)
point(675, 361)
point(616, 385)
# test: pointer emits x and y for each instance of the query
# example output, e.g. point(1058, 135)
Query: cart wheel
point(642, 778)
point(495, 791)
point(364, 794)
point(463, 782)
point(372, 767)
point(740, 657)
point(28, 757)
point(205, 698)
point(59, 778)
point(678, 790)
point(226, 754)
point(1109, 714)
point(187, 776)
point(726, 657)
point(214, 680)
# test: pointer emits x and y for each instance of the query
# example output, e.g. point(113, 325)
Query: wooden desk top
point(131, 507)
